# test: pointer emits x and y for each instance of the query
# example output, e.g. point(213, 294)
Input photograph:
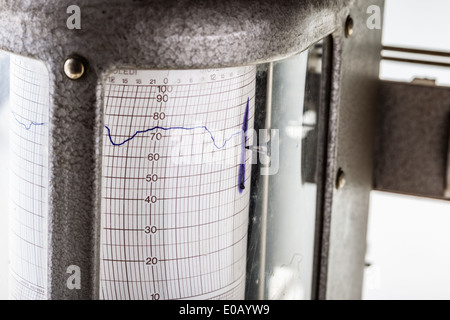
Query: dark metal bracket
point(412, 139)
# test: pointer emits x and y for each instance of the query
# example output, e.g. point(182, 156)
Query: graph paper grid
point(29, 101)
point(175, 200)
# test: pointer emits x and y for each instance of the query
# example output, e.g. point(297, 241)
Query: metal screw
point(340, 179)
point(74, 68)
point(348, 27)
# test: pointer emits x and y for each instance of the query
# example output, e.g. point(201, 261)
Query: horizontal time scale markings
point(166, 213)
point(178, 227)
point(175, 279)
point(171, 244)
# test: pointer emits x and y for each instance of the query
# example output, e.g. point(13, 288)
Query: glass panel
point(284, 192)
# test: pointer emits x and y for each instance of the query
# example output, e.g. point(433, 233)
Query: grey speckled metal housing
point(193, 34)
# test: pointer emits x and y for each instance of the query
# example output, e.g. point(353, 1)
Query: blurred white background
point(408, 248)
point(409, 238)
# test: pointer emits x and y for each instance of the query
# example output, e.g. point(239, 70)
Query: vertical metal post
point(265, 190)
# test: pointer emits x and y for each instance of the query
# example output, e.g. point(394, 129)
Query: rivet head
point(74, 68)
point(348, 27)
point(340, 179)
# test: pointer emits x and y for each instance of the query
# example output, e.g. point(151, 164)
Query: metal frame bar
point(430, 53)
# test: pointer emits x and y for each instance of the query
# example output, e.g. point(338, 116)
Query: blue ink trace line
point(242, 132)
point(241, 174)
point(32, 123)
point(171, 128)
